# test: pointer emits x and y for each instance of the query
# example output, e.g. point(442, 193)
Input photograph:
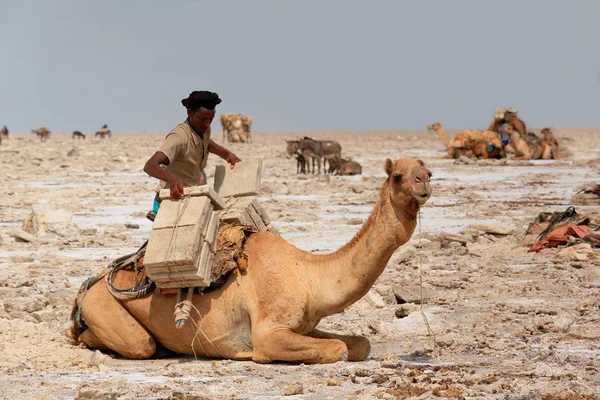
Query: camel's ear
point(421, 162)
point(388, 166)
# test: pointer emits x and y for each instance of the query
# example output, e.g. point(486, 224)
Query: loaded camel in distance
point(236, 128)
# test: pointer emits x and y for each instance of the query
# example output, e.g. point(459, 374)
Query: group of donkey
point(325, 151)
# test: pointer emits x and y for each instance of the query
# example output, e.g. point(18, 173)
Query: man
point(507, 116)
point(181, 159)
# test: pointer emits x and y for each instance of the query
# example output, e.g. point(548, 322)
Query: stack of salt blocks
point(183, 240)
point(182, 257)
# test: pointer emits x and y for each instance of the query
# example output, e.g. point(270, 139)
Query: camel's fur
point(270, 311)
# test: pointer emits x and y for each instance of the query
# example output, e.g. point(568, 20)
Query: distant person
point(181, 159)
point(507, 116)
point(4, 132)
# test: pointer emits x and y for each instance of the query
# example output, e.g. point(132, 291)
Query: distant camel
point(78, 134)
point(42, 132)
point(236, 128)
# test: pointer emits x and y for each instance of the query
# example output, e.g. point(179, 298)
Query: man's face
point(201, 118)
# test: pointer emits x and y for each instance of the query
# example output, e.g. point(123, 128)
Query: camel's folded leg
point(359, 347)
point(284, 345)
point(113, 326)
point(547, 154)
point(91, 340)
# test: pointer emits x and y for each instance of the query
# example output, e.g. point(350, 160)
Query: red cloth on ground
point(560, 235)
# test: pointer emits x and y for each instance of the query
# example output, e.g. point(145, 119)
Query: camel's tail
point(77, 327)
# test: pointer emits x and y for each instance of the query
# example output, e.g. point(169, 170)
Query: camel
point(530, 147)
point(269, 311)
point(78, 134)
point(550, 144)
point(42, 132)
point(470, 143)
point(236, 128)
point(439, 129)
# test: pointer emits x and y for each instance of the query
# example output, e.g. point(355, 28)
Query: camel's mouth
point(422, 193)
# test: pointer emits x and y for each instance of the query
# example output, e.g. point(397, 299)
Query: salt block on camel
point(195, 191)
point(241, 180)
point(182, 243)
point(242, 211)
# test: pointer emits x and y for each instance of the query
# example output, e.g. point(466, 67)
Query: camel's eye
point(397, 178)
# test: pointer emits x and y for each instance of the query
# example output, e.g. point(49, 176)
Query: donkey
point(78, 134)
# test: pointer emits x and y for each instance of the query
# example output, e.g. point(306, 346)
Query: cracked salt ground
point(508, 323)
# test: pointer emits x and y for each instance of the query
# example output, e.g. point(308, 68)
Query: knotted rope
point(183, 308)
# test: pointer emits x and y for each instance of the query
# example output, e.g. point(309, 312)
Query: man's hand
point(232, 159)
point(176, 188)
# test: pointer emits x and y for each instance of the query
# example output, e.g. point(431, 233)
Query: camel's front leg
point(359, 347)
point(281, 344)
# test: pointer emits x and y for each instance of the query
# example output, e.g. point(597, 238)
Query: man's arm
point(153, 168)
point(223, 153)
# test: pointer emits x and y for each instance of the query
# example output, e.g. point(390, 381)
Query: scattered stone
point(21, 259)
point(25, 304)
point(96, 359)
point(292, 390)
point(22, 236)
point(409, 294)
point(465, 160)
point(502, 230)
point(445, 238)
point(88, 231)
point(375, 299)
point(132, 226)
point(390, 361)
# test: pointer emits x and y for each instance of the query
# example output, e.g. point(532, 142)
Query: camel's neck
point(341, 278)
point(443, 136)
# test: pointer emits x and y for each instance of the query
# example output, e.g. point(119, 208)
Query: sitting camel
point(270, 310)
point(470, 143)
point(550, 144)
point(530, 147)
point(441, 132)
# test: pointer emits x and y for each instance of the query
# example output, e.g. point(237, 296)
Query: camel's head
point(292, 147)
point(409, 184)
point(434, 127)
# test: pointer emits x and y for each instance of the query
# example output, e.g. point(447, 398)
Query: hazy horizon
point(335, 65)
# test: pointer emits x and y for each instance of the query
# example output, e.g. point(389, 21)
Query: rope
point(429, 330)
point(85, 289)
point(183, 308)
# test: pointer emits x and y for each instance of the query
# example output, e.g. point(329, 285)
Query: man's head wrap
point(201, 98)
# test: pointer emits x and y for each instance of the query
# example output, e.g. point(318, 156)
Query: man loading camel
point(504, 117)
point(181, 159)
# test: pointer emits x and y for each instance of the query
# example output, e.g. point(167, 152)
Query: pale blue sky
point(299, 65)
